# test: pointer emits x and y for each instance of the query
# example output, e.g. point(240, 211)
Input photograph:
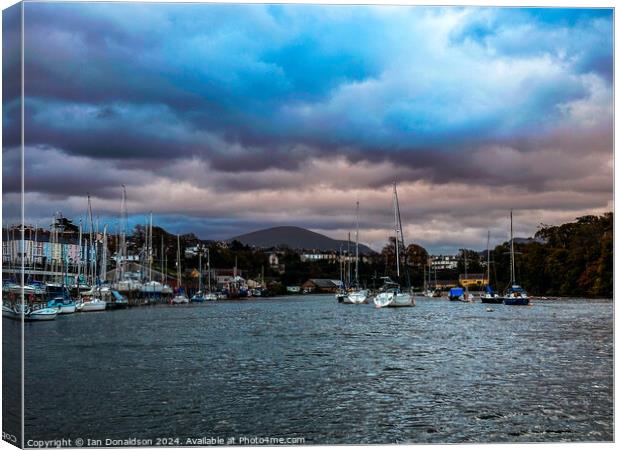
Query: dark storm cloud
point(300, 106)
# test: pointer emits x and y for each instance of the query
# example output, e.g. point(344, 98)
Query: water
point(330, 373)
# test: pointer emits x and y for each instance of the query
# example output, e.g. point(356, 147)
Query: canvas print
point(298, 224)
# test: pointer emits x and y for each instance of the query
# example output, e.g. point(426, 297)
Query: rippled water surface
point(330, 373)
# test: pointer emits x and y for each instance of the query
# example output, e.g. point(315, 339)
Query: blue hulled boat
point(515, 294)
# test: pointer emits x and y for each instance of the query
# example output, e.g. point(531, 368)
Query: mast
point(340, 263)
point(488, 258)
point(79, 264)
point(512, 254)
point(199, 269)
point(357, 245)
point(161, 260)
point(465, 260)
point(178, 261)
point(349, 259)
point(396, 241)
point(150, 249)
point(90, 240)
point(123, 230)
point(36, 247)
point(402, 238)
point(96, 251)
point(208, 269)
point(104, 254)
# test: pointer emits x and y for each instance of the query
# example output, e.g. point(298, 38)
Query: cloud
point(227, 117)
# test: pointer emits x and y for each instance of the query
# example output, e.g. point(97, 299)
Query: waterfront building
point(473, 280)
point(321, 285)
point(444, 262)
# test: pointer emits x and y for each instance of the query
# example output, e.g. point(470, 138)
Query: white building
point(444, 262)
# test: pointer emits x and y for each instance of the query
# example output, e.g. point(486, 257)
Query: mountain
point(295, 238)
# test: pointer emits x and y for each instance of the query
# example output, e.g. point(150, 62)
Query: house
point(274, 263)
point(473, 280)
point(444, 262)
point(321, 285)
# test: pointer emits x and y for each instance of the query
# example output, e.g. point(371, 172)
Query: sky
point(224, 119)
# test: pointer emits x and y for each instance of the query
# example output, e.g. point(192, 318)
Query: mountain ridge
point(296, 238)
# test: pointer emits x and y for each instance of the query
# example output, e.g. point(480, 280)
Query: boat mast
point(488, 258)
point(208, 269)
point(357, 246)
point(35, 248)
point(512, 254)
point(161, 260)
point(150, 249)
point(402, 239)
point(104, 254)
point(178, 261)
point(90, 240)
point(349, 259)
point(199, 269)
point(465, 261)
point(79, 264)
point(123, 226)
point(396, 241)
point(340, 263)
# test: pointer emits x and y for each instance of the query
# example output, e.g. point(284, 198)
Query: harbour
point(440, 372)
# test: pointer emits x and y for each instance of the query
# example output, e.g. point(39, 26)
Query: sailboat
point(428, 290)
point(357, 296)
point(199, 297)
point(341, 294)
point(515, 294)
point(391, 294)
point(489, 296)
point(467, 297)
point(180, 298)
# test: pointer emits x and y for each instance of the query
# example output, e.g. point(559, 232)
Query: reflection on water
point(331, 373)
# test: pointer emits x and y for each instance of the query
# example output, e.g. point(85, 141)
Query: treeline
point(573, 259)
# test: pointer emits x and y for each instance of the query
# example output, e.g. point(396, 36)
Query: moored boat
point(456, 294)
point(41, 314)
point(356, 297)
point(515, 295)
point(198, 297)
point(391, 294)
point(93, 304)
point(489, 295)
point(179, 299)
point(63, 304)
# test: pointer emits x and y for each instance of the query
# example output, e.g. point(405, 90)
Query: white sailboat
point(357, 296)
point(92, 304)
point(391, 294)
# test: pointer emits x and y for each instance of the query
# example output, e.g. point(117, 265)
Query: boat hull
point(393, 300)
point(356, 298)
point(179, 300)
point(519, 301)
point(93, 306)
point(41, 315)
point(66, 309)
point(492, 300)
